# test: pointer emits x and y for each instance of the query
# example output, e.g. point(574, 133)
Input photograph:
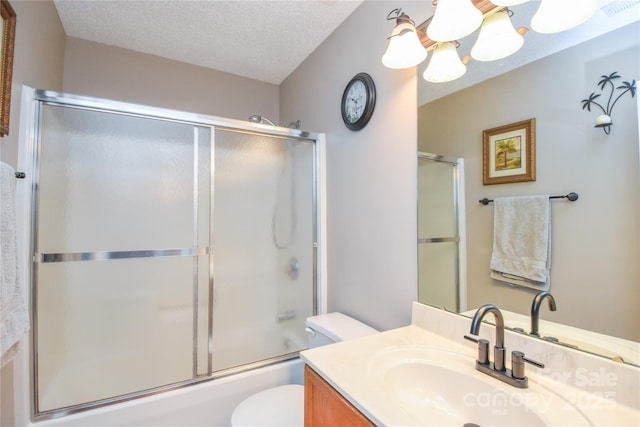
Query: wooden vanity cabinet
point(324, 406)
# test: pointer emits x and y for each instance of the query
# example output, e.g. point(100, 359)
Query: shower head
point(294, 125)
point(261, 119)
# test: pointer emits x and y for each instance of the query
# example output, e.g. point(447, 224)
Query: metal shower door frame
point(460, 227)
point(33, 102)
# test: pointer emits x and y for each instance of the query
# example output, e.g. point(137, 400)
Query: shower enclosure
point(167, 248)
point(441, 236)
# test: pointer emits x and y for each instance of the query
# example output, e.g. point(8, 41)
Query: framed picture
point(6, 62)
point(509, 153)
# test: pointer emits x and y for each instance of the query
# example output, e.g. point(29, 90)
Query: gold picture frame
point(6, 63)
point(509, 153)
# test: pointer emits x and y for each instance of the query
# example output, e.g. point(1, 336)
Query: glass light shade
point(497, 38)
point(405, 49)
point(554, 16)
point(508, 2)
point(453, 20)
point(445, 64)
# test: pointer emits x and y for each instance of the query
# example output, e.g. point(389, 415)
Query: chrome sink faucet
point(497, 369)
point(535, 309)
point(498, 349)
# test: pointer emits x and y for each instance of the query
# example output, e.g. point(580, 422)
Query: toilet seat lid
point(278, 406)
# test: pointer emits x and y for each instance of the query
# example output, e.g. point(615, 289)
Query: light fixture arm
point(401, 18)
point(394, 14)
point(405, 49)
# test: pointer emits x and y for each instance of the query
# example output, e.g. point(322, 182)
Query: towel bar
point(571, 196)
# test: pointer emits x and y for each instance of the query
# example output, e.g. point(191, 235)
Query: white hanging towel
point(522, 241)
point(14, 317)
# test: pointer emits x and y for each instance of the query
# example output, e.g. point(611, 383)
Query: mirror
point(595, 256)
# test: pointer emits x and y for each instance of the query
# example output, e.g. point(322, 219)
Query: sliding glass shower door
point(264, 260)
point(123, 224)
point(440, 247)
point(165, 251)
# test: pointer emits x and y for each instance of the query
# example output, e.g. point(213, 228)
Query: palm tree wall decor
point(604, 120)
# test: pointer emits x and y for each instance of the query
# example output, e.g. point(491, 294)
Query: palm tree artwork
point(607, 81)
point(508, 153)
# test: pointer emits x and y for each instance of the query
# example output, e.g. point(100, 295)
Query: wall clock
point(358, 101)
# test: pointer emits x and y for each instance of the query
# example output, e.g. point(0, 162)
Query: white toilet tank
point(284, 405)
point(334, 327)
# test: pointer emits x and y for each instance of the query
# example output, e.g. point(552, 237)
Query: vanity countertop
point(348, 368)
point(353, 368)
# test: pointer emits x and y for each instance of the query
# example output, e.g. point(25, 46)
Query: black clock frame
point(369, 106)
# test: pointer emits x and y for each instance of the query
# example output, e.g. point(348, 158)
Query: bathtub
point(206, 404)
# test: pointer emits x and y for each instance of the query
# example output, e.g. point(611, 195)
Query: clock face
point(358, 101)
point(355, 101)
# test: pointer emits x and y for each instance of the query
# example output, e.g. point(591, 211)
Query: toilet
point(284, 405)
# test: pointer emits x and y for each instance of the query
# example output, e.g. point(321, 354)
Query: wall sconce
point(405, 49)
point(604, 120)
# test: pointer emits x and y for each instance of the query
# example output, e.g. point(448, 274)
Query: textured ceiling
point(264, 40)
point(267, 39)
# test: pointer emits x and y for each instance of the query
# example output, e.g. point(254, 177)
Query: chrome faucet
point(497, 369)
point(498, 349)
point(535, 309)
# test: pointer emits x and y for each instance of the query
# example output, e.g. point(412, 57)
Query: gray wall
point(103, 71)
point(371, 173)
point(596, 246)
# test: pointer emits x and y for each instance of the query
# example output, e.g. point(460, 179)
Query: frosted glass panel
point(110, 182)
point(438, 274)
point(438, 247)
point(108, 328)
point(263, 247)
point(436, 194)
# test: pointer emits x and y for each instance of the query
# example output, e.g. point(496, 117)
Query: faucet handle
point(517, 364)
point(471, 338)
point(483, 348)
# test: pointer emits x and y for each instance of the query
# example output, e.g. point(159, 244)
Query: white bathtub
point(207, 404)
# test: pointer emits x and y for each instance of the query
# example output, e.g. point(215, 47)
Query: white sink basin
point(443, 388)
